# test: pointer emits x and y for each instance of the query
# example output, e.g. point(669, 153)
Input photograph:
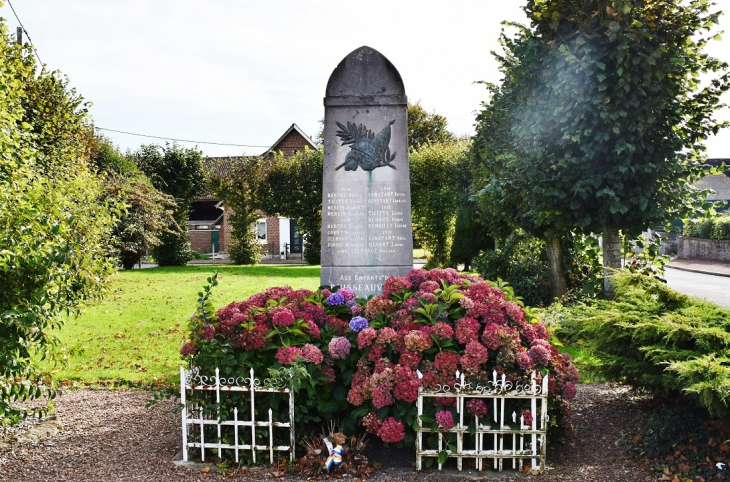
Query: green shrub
point(721, 228)
point(521, 262)
point(656, 339)
point(716, 228)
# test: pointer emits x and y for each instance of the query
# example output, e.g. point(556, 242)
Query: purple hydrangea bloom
point(358, 323)
point(339, 347)
point(335, 299)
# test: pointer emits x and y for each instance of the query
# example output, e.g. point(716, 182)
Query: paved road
point(712, 288)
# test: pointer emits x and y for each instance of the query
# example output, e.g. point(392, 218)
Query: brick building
point(208, 228)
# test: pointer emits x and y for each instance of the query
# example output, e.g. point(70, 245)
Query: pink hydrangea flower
point(396, 284)
point(411, 303)
point(429, 286)
point(477, 351)
point(446, 363)
point(391, 430)
point(386, 335)
point(188, 349)
point(379, 305)
point(444, 402)
point(347, 293)
point(371, 423)
point(539, 355)
point(339, 347)
point(208, 333)
point(381, 385)
point(477, 407)
point(426, 296)
point(527, 414)
point(418, 341)
point(283, 317)
point(569, 391)
point(312, 354)
point(287, 355)
point(366, 337)
point(443, 331)
point(328, 372)
point(445, 419)
point(410, 359)
point(467, 329)
point(466, 303)
point(406, 384)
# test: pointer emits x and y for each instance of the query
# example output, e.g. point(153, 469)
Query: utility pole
point(19, 36)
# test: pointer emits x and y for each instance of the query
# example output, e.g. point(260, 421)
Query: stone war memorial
point(366, 194)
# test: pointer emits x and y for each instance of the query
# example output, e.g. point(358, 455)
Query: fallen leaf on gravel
point(666, 470)
point(724, 447)
point(526, 468)
point(684, 467)
point(636, 439)
point(205, 470)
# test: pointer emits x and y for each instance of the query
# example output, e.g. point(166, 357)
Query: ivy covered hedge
point(657, 339)
point(357, 361)
point(715, 228)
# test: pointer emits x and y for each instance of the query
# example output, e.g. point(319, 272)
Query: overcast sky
point(242, 72)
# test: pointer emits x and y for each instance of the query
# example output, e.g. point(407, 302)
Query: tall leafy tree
point(145, 213)
point(425, 127)
point(292, 187)
point(177, 172)
point(234, 181)
point(601, 118)
point(439, 185)
point(54, 228)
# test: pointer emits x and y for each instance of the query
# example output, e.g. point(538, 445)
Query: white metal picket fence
point(493, 438)
point(192, 415)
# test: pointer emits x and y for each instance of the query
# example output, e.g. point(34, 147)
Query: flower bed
point(361, 362)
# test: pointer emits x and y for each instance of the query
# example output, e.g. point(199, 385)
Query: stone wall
point(696, 248)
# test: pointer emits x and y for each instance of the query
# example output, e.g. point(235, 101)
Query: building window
point(201, 226)
point(261, 230)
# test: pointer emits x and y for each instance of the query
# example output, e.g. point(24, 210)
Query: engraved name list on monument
point(366, 203)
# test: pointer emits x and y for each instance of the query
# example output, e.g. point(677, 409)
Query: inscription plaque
point(366, 195)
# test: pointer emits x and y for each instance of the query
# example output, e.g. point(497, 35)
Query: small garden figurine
point(336, 452)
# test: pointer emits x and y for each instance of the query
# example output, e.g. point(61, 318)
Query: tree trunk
point(558, 286)
point(611, 258)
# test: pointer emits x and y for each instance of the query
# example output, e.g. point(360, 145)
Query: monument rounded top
point(366, 72)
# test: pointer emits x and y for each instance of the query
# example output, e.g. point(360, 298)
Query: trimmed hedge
point(657, 339)
point(716, 228)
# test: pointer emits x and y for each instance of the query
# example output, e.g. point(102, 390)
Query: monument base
point(364, 280)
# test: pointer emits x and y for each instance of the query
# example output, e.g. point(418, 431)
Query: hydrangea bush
point(363, 357)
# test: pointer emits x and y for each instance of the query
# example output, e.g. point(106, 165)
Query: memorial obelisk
point(366, 193)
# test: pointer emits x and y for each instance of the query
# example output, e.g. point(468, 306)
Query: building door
point(214, 241)
point(295, 238)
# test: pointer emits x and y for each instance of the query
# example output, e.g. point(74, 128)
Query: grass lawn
point(135, 333)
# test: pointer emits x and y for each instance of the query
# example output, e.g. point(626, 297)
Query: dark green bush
point(656, 339)
point(521, 262)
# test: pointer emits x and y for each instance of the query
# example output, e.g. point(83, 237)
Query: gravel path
point(110, 435)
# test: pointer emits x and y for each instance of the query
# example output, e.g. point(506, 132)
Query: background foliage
point(177, 172)
point(717, 228)
point(54, 228)
point(234, 181)
point(439, 186)
point(292, 187)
